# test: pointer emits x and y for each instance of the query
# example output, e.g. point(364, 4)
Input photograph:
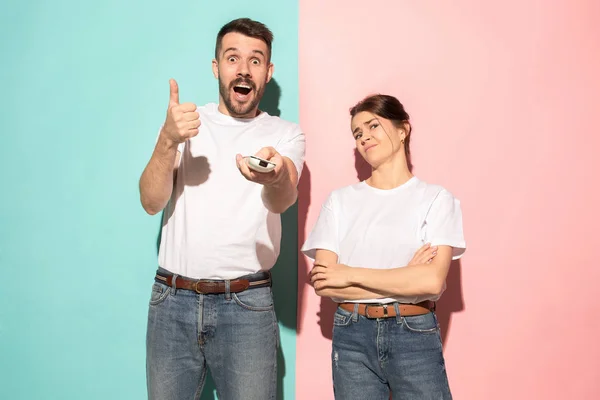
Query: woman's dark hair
point(390, 108)
point(246, 27)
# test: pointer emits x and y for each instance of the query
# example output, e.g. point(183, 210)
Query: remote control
point(259, 165)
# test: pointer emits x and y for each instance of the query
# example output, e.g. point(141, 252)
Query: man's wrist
point(280, 181)
point(166, 142)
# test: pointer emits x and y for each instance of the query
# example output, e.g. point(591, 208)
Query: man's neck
point(252, 114)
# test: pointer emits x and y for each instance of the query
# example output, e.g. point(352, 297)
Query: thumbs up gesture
point(183, 121)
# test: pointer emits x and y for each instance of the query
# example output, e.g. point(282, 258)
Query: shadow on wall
point(450, 302)
point(270, 100)
point(363, 169)
point(303, 267)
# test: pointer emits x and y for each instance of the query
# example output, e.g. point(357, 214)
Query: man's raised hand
point(183, 121)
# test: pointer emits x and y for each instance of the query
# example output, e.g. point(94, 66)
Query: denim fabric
point(234, 335)
point(401, 355)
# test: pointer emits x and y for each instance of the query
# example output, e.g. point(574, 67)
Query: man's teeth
point(243, 86)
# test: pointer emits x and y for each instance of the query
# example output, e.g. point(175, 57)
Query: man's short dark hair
point(247, 27)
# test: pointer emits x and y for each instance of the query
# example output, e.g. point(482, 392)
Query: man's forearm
point(156, 182)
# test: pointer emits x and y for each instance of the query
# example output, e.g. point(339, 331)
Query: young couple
point(381, 248)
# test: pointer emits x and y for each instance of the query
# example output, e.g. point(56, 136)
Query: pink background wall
point(504, 99)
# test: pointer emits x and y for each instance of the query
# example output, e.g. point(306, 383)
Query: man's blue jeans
point(402, 355)
point(234, 335)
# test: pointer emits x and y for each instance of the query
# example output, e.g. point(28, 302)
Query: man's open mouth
point(243, 89)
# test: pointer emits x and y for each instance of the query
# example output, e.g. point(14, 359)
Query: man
point(211, 305)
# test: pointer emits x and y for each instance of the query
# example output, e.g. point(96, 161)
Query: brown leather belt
point(388, 310)
point(209, 286)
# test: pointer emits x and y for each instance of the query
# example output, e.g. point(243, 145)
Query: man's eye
point(231, 59)
point(255, 62)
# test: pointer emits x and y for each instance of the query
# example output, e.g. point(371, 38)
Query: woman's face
point(377, 139)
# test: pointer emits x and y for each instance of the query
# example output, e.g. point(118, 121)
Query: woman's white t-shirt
point(375, 228)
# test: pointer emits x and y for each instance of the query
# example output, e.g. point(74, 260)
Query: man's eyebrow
point(236, 49)
point(230, 49)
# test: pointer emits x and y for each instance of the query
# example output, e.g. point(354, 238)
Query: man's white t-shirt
point(215, 225)
point(374, 228)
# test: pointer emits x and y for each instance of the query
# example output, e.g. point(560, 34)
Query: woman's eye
point(358, 136)
point(373, 126)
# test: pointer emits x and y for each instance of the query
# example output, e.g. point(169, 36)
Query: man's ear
point(215, 68)
point(270, 70)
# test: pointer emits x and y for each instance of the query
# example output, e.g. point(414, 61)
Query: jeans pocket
point(159, 293)
point(259, 299)
point(426, 323)
point(342, 317)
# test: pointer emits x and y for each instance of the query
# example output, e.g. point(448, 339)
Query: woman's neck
point(390, 174)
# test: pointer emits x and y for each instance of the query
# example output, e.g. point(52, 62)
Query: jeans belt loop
point(227, 289)
point(174, 283)
point(355, 313)
point(397, 309)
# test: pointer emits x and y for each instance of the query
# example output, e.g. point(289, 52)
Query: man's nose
point(243, 70)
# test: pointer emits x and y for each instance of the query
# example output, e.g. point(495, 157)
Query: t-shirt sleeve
point(293, 147)
point(444, 225)
point(324, 234)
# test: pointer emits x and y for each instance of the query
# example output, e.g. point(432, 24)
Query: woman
point(386, 336)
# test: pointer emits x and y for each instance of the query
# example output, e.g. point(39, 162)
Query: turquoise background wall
point(84, 90)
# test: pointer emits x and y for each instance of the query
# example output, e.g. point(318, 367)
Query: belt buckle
point(385, 311)
point(196, 289)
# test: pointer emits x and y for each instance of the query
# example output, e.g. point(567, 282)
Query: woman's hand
point(330, 275)
point(424, 255)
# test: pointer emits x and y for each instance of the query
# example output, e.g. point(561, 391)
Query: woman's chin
point(373, 162)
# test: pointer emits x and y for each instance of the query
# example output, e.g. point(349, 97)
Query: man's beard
point(240, 110)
